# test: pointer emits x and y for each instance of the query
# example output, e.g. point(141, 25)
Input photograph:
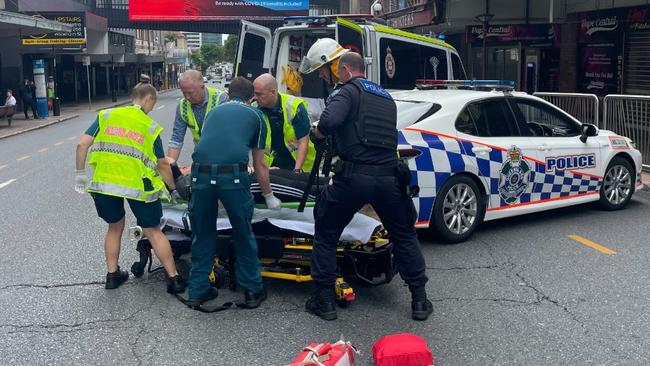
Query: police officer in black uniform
point(362, 116)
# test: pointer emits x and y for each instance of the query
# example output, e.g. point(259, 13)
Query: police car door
point(253, 50)
point(504, 158)
point(571, 167)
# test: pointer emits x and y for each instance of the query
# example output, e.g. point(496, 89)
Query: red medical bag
point(402, 350)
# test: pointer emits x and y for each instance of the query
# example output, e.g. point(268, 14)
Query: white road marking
point(43, 149)
point(161, 107)
point(2, 185)
point(24, 157)
point(72, 138)
point(3, 166)
point(58, 143)
point(179, 98)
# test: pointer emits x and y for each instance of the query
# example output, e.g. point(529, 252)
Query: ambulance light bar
point(470, 84)
point(314, 21)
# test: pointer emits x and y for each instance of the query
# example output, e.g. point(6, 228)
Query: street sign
point(76, 37)
point(85, 60)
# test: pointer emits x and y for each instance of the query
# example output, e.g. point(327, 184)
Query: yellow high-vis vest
point(289, 105)
point(188, 117)
point(122, 155)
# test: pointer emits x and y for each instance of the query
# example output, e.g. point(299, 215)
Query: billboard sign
point(183, 10)
point(76, 37)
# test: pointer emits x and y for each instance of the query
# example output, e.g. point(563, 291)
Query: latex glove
point(272, 202)
point(80, 181)
point(175, 196)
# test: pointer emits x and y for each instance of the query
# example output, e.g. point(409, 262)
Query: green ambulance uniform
point(124, 156)
point(288, 121)
point(219, 172)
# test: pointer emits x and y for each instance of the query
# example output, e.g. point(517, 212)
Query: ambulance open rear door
point(350, 35)
point(253, 51)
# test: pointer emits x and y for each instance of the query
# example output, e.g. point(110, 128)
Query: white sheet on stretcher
point(360, 228)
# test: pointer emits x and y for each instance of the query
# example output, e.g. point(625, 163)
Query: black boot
point(253, 300)
point(322, 303)
point(176, 284)
point(115, 279)
point(421, 307)
point(210, 295)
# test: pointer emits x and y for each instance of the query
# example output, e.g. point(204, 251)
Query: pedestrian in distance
point(231, 132)
point(27, 94)
point(363, 118)
point(286, 117)
point(10, 101)
point(125, 153)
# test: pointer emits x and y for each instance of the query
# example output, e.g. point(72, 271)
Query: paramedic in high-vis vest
point(127, 160)
point(198, 100)
point(287, 145)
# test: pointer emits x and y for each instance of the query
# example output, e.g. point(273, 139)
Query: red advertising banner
point(183, 10)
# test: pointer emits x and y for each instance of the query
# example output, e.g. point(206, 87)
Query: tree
point(230, 49)
point(210, 54)
point(197, 61)
point(170, 38)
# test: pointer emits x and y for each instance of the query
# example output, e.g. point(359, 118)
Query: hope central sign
point(570, 162)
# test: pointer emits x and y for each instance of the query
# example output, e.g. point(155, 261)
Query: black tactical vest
point(376, 123)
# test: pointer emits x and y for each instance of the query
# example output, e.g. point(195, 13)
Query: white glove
point(80, 181)
point(175, 196)
point(272, 202)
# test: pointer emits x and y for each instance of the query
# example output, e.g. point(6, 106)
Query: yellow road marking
point(43, 149)
point(58, 143)
point(3, 166)
point(24, 157)
point(591, 244)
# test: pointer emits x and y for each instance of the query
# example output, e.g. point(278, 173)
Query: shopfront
point(614, 48)
point(520, 52)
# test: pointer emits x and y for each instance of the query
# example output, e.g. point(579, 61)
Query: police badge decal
point(514, 177)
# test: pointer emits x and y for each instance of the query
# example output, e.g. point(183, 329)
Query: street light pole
point(485, 18)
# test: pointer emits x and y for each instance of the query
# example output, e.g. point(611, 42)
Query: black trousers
point(335, 208)
point(29, 104)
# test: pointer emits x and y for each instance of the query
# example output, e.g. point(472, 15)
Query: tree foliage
point(230, 49)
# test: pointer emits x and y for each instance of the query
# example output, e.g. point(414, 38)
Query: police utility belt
point(346, 168)
point(220, 169)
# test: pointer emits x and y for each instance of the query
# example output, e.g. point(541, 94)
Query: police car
point(479, 151)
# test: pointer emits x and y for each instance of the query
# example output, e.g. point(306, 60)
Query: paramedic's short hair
point(193, 75)
point(240, 87)
point(142, 90)
point(144, 78)
point(354, 61)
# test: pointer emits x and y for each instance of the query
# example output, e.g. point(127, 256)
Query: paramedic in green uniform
point(220, 172)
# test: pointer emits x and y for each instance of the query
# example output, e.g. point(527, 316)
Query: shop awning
point(16, 24)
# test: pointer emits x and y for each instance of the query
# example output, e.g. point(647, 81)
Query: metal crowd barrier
point(629, 115)
point(583, 107)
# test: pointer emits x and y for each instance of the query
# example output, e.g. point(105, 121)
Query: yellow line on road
point(24, 157)
point(58, 143)
point(591, 244)
point(3, 166)
point(43, 149)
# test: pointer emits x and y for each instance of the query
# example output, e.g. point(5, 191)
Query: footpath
point(68, 111)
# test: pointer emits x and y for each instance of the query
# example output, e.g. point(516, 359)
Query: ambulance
point(394, 58)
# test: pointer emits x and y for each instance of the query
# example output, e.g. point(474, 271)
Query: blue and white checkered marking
point(444, 156)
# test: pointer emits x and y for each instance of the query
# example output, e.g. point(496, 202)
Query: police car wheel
point(618, 185)
point(458, 209)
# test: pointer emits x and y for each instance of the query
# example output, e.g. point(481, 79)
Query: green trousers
point(233, 190)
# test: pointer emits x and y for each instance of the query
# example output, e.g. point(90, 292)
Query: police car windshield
point(411, 111)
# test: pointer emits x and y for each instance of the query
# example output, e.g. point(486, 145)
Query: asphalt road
point(521, 292)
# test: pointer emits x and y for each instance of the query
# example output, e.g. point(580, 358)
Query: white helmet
point(324, 50)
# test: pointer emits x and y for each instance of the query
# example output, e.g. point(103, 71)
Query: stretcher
point(284, 240)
